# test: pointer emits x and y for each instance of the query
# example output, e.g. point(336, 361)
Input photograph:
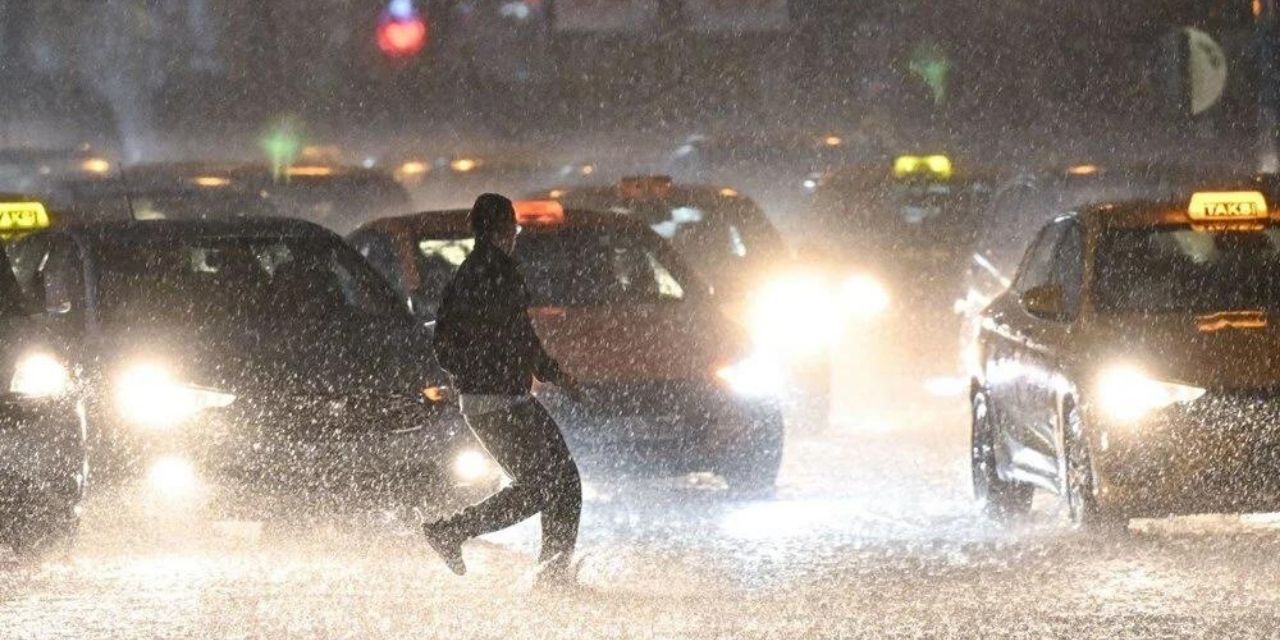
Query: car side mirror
point(1045, 301)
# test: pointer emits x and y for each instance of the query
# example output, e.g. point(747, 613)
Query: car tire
point(1079, 492)
point(40, 534)
point(1001, 500)
point(750, 468)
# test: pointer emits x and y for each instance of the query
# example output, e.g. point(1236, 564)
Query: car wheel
point(1080, 490)
point(1001, 500)
point(43, 534)
point(751, 467)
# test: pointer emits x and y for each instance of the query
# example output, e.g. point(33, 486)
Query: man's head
point(493, 220)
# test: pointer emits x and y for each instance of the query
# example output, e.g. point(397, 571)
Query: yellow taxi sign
point(937, 165)
point(18, 217)
point(1226, 206)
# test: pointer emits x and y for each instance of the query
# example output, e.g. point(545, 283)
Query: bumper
point(244, 458)
point(678, 436)
point(1219, 454)
point(42, 453)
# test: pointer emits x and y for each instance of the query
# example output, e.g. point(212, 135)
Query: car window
point(380, 252)
point(1068, 268)
point(587, 268)
point(238, 280)
point(1178, 269)
point(1037, 266)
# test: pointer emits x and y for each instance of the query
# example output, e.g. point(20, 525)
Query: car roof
point(244, 227)
point(454, 221)
point(1141, 213)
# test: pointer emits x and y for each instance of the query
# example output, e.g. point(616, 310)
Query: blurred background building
point(134, 74)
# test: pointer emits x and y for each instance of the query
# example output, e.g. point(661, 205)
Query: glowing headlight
point(471, 465)
point(795, 315)
point(864, 296)
point(753, 377)
point(173, 476)
point(147, 394)
point(1127, 393)
point(39, 375)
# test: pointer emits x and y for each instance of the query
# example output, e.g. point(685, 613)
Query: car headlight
point(754, 377)
point(471, 465)
point(864, 296)
point(39, 375)
point(149, 395)
point(1127, 393)
point(795, 315)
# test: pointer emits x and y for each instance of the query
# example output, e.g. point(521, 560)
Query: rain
point(639, 319)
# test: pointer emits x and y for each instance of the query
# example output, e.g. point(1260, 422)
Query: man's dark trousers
point(527, 444)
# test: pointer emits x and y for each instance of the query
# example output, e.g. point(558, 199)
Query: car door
point(1040, 345)
point(1011, 344)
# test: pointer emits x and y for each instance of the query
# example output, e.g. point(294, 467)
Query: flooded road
point(872, 533)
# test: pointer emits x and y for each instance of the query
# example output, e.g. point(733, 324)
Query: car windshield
point(248, 280)
point(1181, 270)
point(719, 236)
point(570, 268)
point(902, 213)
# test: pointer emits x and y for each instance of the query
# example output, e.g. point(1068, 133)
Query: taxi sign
point(539, 212)
point(1227, 206)
point(21, 217)
point(938, 166)
point(640, 187)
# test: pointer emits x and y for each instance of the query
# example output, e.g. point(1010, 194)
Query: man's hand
point(569, 385)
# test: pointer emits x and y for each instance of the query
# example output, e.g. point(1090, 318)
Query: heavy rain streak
point(639, 319)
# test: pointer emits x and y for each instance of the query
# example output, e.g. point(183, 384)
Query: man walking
point(485, 340)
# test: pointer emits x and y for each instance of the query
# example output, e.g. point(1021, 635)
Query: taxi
point(242, 363)
point(911, 222)
point(671, 385)
point(794, 309)
point(1130, 368)
point(43, 464)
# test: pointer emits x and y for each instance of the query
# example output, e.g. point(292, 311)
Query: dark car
point(36, 170)
point(251, 358)
point(43, 466)
point(1131, 366)
point(670, 383)
point(912, 221)
point(335, 196)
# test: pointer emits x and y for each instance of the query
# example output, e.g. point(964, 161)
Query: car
point(250, 361)
point(43, 460)
point(1022, 204)
point(794, 309)
point(333, 195)
point(1129, 368)
point(670, 383)
point(911, 221)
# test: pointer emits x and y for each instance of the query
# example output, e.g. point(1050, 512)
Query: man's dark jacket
point(484, 337)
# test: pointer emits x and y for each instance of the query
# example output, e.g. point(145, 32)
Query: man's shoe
point(446, 545)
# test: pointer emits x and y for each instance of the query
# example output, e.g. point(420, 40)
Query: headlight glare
point(864, 296)
point(1127, 393)
point(39, 375)
point(148, 395)
point(755, 377)
point(795, 315)
point(471, 465)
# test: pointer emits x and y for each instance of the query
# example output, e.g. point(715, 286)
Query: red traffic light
point(401, 30)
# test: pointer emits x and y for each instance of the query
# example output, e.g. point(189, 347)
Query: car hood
point(639, 342)
point(1229, 350)
point(330, 358)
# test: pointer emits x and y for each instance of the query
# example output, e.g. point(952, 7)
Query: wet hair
point(490, 213)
